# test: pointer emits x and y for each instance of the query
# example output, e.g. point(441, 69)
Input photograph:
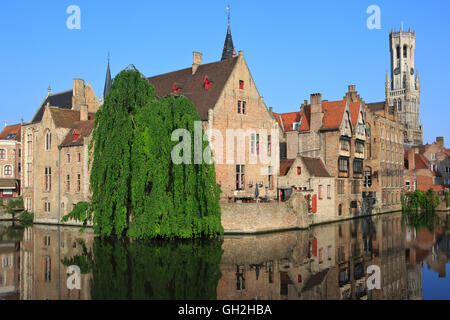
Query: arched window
point(398, 52)
point(340, 209)
point(2, 154)
point(7, 170)
point(399, 105)
point(48, 141)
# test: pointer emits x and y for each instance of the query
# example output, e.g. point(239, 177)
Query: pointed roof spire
point(107, 81)
point(228, 47)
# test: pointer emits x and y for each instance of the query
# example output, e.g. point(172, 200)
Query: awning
point(8, 184)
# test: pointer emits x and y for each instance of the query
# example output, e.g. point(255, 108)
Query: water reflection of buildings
point(327, 262)
point(42, 273)
point(9, 264)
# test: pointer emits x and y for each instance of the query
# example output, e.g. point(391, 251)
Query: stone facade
point(60, 132)
point(403, 90)
point(384, 164)
point(317, 189)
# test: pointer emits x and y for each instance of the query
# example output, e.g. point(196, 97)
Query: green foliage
point(81, 212)
point(137, 190)
point(419, 201)
point(84, 261)
point(26, 216)
point(155, 270)
point(111, 149)
point(14, 206)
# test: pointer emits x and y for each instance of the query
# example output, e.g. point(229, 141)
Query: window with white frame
point(2, 154)
point(7, 170)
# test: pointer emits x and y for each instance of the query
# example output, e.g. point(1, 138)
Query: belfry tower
point(403, 88)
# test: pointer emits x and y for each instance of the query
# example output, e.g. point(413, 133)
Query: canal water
point(372, 258)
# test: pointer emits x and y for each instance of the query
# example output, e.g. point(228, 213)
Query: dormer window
point(175, 88)
point(207, 84)
point(241, 84)
point(75, 135)
point(295, 125)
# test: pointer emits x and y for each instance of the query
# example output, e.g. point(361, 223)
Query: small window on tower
point(241, 84)
point(405, 51)
point(207, 84)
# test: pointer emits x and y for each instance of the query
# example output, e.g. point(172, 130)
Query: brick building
point(55, 153)
point(386, 154)
point(326, 130)
point(427, 166)
point(243, 133)
point(10, 161)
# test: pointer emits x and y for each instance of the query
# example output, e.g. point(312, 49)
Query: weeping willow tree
point(137, 189)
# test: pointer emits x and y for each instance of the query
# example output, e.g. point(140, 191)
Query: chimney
point(84, 112)
point(241, 53)
point(197, 61)
point(78, 97)
point(411, 159)
point(316, 112)
point(440, 141)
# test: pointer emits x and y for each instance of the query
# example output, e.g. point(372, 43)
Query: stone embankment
point(250, 218)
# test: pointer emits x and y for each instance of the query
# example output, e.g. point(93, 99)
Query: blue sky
point(293, 48)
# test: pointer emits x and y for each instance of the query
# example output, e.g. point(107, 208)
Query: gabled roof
point(11, 132)
point(334, 112)
point(192, 85)
point(61, 100)
point(316, 167)
point(354, 107)
point(286, 120)
point(82, 129)
point(285, 166)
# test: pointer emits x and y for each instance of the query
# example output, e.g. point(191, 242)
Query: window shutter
point(314, 247)
point(314, 203)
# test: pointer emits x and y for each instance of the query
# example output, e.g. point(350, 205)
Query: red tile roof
point(11, 132)
point(334, 112)
point(354, 111)
point(304, 125)
point(192, 85)
point(286, 120)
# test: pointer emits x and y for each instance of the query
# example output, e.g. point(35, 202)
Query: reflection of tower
point(414, 281)
point(403, 89)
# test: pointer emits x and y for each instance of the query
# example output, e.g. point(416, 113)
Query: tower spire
point(228, 48)
point(107, 81)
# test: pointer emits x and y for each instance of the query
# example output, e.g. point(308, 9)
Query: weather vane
point(228, 13)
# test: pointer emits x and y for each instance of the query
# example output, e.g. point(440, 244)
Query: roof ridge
point(189, 68)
